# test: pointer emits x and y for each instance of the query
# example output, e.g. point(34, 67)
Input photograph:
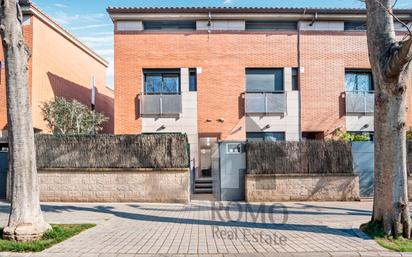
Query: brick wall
point(223, 58)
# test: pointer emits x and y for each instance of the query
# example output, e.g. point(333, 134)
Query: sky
point(89, 22)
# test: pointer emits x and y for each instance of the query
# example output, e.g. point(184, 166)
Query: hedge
point(112, 151)
point(307, 157)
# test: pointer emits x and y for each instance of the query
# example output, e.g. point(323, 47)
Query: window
point(265, 136)
point(169, 25)
point(358, 80)
point(264, 80)
point(165, 81)
point(271, 25)
point(295, 79)
point(192, 80)
point(355, 25)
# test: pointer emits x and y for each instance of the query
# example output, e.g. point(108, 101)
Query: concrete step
point(203, 190)
point(204, 185)
point(203, 181)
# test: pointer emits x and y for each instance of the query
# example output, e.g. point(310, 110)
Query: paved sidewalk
point(207, 229)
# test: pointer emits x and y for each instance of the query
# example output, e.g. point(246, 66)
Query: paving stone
point(198, 229)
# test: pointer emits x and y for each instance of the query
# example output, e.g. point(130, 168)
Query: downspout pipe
point(299, 78)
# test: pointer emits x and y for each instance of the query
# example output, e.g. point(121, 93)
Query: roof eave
point(28, 8)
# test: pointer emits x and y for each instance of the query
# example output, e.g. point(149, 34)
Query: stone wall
point(114, 185)
point(301, 187)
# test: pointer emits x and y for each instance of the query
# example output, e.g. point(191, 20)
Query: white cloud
point(91, 39)
point(65, 18)
point(228, 2)
point(60, 5)
point(92, 26)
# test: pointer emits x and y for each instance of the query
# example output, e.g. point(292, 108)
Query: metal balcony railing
point(265, 103)
point(360, 101)
point(152, 104)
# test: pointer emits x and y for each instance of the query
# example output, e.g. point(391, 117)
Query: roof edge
point(303, 10)
point(29, 8)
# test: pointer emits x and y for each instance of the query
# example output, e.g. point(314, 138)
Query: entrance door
point(206, 146)
point(4, 166)
point(232, 171)
point(363, 165)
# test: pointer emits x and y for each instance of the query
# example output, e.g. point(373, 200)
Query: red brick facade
point(323, 56)
point(223, 58)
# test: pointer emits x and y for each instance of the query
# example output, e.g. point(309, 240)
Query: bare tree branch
point(395, 17)
point(400, 54)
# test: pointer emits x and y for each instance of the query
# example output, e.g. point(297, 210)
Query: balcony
point(360, 102)
point(265, 103)
point(158, 105)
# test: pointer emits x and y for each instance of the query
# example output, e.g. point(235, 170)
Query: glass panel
point(275, 136)
point(355, 25)
point(153, 84)
point(255, 137)
point(169, 25)
point(170, 83)
point(358, 81)
point(260, 82)
point(264, 80)
point(295, 83)
point(363, 82)
point(271, 25)
point(265, 136)
point(350, 81)
point(192, 80)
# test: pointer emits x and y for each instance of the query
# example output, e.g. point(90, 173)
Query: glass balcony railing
point(153, 104)
point(360, 101)
point(265, 103)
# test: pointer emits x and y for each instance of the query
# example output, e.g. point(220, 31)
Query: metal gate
point(229, 170)
point(363, 165)
point(4, 166)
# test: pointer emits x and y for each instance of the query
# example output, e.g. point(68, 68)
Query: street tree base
point(25, 232)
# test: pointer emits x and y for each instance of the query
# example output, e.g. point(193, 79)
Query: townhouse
point(243, 73)
point(60, 65)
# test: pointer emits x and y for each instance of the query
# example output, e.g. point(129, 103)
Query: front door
point(232, 171)
point(206, 146)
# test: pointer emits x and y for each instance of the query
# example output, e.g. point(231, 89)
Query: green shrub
point(71, 117)
point(350, 137)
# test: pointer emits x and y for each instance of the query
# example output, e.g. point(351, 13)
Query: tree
point(26, 221)
point(71, 117)
point(390, 61)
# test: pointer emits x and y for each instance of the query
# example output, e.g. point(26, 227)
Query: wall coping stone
point(102, 170)
point(304, 175)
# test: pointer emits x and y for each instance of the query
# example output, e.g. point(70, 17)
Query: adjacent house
point(243, 73)
point(60, 65)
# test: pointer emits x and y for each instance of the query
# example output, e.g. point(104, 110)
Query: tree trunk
point(390, 62)
point(26, 221)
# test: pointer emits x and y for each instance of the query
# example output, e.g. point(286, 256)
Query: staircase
point(203, 186)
